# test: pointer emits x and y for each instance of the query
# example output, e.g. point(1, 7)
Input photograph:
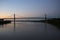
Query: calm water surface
point(29, 31)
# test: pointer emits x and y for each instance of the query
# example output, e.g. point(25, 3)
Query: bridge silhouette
point(14, 17)
point(26, 18)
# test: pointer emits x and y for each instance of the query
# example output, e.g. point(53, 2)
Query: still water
point(29, 31)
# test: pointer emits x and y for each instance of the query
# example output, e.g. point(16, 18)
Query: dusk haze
point(29, 19)
point(29, 8)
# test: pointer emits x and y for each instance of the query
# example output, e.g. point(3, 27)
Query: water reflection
point(14, 26)
point(45, 26)
point(1, 25)
point(29, 30)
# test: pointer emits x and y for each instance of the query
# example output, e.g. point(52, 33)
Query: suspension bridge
point(9, 17)
point(28, 19)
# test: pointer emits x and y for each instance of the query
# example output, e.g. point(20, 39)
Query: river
point(29, 31)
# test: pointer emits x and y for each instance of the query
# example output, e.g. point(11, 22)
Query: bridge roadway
point(24, 18)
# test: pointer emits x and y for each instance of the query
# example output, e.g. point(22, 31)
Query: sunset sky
point(29, 8)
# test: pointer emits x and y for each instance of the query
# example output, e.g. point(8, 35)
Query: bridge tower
point(14, 22)
point(45, 17)
point(14, 17)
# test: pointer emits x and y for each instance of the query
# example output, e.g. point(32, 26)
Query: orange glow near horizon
point(3, 16)
point(22, 14)
point(9, 16)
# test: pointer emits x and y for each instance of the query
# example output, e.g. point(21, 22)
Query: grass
point(53, 21)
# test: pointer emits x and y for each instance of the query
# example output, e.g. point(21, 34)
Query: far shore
point(4, 22)
point(53, 21)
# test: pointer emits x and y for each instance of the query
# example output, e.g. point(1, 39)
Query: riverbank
point(5, 22)
point(53, 21)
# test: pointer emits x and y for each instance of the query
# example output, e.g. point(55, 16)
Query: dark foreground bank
point(5, 22)
point(53, 21)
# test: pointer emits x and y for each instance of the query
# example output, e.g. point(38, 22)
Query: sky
point(29, 8)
